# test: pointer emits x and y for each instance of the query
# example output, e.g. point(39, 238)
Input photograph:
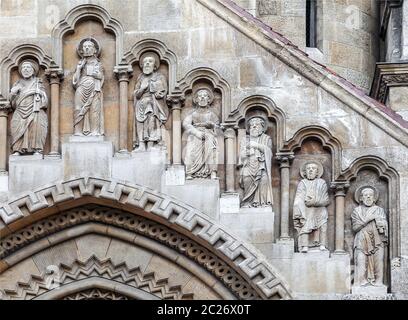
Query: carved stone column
point(285, 162)
point(4, 111)
point(175, 102)
point(54, 76)
point(123, 73)
point(340, 189)
point(231, 159)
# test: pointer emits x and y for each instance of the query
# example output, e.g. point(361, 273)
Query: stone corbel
point(54, 75)
point(285, 160)
point(175, 103)
point(340, 190)
point(123, 73)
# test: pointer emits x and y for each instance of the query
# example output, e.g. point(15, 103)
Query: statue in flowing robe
point(369, 223)
point(29, 123)
point(88, 82)
point(309, 209)
point(151, 111)
point(201, 153)
point(255, 163)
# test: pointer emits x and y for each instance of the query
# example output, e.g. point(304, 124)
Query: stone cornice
point(388, 74)
point(377, 113)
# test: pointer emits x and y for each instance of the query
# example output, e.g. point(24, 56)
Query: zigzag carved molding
point(244, 257)
point(93, 267)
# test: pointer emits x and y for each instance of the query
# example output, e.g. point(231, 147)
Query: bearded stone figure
point(29, 123)
point(370, 225)
point(88, 81)
point(151, 111)
point(309, 208)
point(202, 146)
point(255, 163)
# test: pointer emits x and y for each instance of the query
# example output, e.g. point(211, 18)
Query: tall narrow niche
point(84, 29)
point(312, 149)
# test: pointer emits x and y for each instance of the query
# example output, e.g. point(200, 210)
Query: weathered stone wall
point(320, 117)
point(347, 32)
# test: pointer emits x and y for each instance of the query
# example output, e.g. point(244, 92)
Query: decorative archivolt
point(164, 53)
point(212, 76)
point(15, 57)
point(95, 274)
point(327, 140)
point(385, 172)
point(138, 200)
point(89, 11)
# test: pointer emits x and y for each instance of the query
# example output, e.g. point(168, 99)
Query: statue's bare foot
point(16, 153)
point(214, 175)
point(323, 248)
point(189, 177)
point(304, 249)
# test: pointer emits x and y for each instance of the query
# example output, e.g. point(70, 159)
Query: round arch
point(242, 268)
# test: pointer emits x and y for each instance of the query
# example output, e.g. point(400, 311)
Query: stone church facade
point(203, 149)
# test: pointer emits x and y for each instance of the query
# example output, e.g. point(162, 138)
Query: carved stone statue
point(151, 111)
point(202, 147)
point(88, 82)
point(29, 123)
point(369, 222)
point(309, 208)
point(255, 163)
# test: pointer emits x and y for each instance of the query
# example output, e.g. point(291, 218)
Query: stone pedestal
point(175, 175)
point(255, 225)
point(369, 290)
point(202, 194)
point(31, 172)
point(319, 273)
point(229, 203)
point(87, 156)
point(145, 168)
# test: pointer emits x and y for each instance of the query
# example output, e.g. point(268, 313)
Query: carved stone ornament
point(151, 111)
point(201, 157)
point(29, 123)
point(370, 225)
point(255, 163)
point(309, 209)
point(88, 82)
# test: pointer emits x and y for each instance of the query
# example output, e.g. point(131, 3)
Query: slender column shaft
point(3, 140)
point(123, 113)
point(340, 194)
point(285, 174)
point(54, 76)
point(176, 135)
point(230, 139)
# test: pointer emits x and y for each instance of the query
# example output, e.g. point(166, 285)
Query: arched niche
point(276, 130)
point(12, 60)
point(213, 77)
point(168, 63)
point(86, 12)
point(90, 26)
point(16, 57)
point(327, 141)
point(312, 148)
point(216, 108)
point(375, 171)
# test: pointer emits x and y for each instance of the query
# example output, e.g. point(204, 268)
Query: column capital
point(285, 158)
point(175, 101)
point(229, 132)
point(54, 75)
point(123, 72)
point(340, 188)
point(5, 107)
